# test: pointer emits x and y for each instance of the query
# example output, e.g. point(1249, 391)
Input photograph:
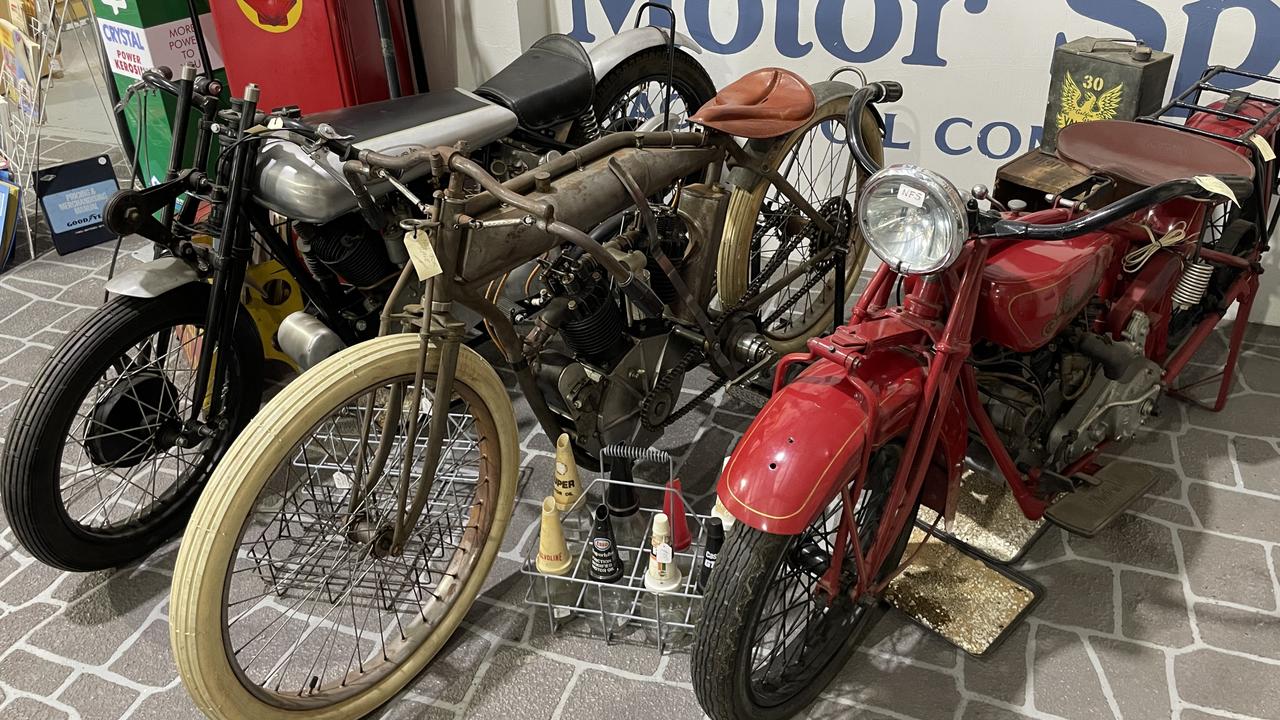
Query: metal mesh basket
point(620, 608)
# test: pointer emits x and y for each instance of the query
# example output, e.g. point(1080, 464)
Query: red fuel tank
point(1032, 289)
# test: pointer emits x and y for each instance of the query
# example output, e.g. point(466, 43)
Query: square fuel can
point(1103, 79)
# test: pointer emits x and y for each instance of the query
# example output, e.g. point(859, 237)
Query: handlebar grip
point(891, 91)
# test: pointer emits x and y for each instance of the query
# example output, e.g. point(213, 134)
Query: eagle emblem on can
point(1088, 103)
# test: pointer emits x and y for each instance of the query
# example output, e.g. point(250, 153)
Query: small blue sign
point(72, 197)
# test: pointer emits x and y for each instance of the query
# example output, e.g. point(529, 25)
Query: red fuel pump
point(316, 54)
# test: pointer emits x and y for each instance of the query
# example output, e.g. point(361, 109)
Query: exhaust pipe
point(307, 340)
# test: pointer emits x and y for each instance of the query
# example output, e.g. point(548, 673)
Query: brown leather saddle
point(1145, 154)
point(763, 103)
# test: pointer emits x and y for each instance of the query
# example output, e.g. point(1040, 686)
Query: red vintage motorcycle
point(1021, 342)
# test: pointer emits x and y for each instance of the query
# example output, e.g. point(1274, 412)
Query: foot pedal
point(1093, 506)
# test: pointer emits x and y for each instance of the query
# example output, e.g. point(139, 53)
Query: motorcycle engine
point(353, 263)
point(1055, 404)
point(606, 363)
point(1120, 396)
point(1023, 392)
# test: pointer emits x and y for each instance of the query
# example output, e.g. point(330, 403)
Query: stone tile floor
point(1170, 613)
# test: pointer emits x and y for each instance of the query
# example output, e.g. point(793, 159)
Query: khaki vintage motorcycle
point(349, 528)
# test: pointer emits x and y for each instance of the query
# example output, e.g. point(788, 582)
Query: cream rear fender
point(152, 279)
point(610, 52)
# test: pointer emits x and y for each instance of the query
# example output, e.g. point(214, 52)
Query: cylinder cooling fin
point(348, 248)
point(593, 326)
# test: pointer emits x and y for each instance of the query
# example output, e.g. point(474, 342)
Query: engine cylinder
point(349, 249)
point(593, 327)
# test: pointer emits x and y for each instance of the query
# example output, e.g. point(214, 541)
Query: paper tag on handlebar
point(1264, 148)
point(1217, 187)
point(911, 196)
point(422, 254)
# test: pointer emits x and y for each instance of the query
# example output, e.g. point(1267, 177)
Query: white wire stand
point(21, 146)
point(664, 615)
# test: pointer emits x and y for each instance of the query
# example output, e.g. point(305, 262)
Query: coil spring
point(631, 452)
point(1196, 275)
point(589, 124)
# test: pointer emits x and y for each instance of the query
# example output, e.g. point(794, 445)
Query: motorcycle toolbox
point(1103, 79)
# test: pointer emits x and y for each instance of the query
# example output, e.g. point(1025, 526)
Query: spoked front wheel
point(770, 640)
point(292, 597)
point(101, 466)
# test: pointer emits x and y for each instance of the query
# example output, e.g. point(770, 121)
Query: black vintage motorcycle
point(273, 255)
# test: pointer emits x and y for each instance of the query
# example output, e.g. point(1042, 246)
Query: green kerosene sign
point(142, 34)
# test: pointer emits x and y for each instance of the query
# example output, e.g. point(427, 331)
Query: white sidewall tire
point(199, 579)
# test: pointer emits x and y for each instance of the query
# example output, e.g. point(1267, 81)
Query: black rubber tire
point(29, 467)
point(730, 610)
point(687, 75)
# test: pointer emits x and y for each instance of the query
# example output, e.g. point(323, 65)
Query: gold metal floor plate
point(970, 602)
point(988, 519)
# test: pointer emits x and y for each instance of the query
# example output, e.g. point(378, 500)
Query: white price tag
point(422, 254)
point(341, 481)
point(1264, 148)
point(1216, 186)
point(275, 123)
point(911, 196)
point(663, 553)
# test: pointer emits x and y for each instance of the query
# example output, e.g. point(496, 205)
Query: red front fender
point(807, 440)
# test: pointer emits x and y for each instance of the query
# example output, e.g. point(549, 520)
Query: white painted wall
point(985, 87)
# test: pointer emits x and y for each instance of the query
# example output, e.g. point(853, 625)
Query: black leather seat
point(387, 116)
point(550, 83)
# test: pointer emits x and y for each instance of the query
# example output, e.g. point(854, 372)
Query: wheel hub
point(133, 421)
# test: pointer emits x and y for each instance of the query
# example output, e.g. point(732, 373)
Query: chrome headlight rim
point(937, 189)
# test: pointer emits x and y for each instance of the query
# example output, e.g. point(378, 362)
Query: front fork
point(950, 350)
point(438, 328)
point(231, 253)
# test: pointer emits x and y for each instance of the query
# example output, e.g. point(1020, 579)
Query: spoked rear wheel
point(636, 90)
point(290, 598)
point(768, 239)
point(770, 640)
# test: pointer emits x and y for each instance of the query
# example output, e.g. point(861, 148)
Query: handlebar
point(1242, 187)
point(881, 91)
point(204, 88)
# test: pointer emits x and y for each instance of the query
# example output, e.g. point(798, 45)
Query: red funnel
point(673, 506)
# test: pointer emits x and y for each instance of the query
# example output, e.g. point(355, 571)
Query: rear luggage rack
point(1191, 101)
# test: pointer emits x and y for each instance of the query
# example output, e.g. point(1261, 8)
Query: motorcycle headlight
point(913, 219)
